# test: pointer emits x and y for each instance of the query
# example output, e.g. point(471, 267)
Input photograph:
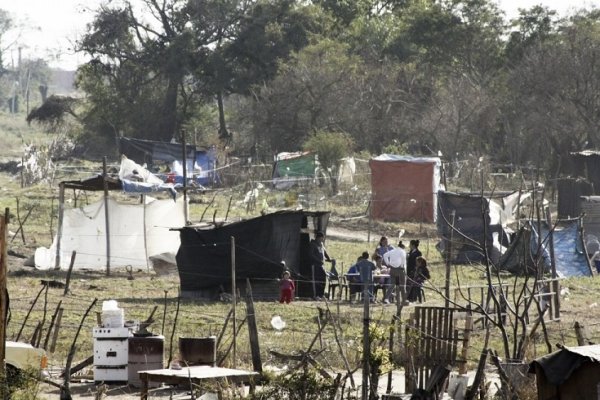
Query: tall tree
point(147, 77)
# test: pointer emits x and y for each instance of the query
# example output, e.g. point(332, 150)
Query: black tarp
point(204, 256)
point(468, 243)
point(149, 151)
point(570, 191)
point(95, 183)
point(560, 365)
point(586, 164)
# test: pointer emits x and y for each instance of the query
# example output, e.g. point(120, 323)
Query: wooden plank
point(441, 327)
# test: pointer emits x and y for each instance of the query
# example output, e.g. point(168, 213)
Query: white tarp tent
point(137, 232)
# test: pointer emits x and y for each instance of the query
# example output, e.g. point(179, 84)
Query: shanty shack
point(204, 259)
point(404, 188)
point(569, 373)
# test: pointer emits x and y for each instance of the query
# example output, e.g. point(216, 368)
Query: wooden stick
point(29, 312)
point(36, 334)
point(184, 155)
point(206, 209)
point(337, 340)
point(66, 391)
point(71, 264)
point(106, 215)
point(51, 217)
point(220, 363)
point(85, 363)
point(56, 330)
point(233, 300)
point(173, 331)
point(59, 228)
point(162, 331)
point(392, 328)
point(3, 295)
point(228, 207)
point(21, 224)
point(39, 339)
point(224, 327)
point(465, 349)
point(47, 339)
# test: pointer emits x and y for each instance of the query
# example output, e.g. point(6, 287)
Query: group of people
point(401, 272)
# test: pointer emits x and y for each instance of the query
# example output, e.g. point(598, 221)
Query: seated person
point(353, 279)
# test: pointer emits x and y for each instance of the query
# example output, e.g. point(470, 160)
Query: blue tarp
point(569, 254)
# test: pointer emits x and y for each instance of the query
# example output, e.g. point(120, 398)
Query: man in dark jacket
point(318, 256)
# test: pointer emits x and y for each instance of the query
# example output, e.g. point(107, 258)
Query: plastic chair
point(333, 284)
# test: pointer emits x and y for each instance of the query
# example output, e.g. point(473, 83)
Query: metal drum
point(198, 351)
point(145, 353)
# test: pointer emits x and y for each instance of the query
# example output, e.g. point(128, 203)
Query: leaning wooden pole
point(449, 261)
point(68, 279)
point(555, 282)
point(3, 291)
point(106, 216)
point(233, 302)
point(30, 310)
point(59, 229)
point(184, 157)
point(366, 344)
point(65, 392)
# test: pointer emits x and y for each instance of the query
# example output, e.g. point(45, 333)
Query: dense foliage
point(430, 76)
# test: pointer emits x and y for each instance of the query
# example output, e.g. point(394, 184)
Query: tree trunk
point(223, 132)
point(167, 126)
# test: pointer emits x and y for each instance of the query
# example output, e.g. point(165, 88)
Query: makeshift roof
point(95, 183)
point(561, 364)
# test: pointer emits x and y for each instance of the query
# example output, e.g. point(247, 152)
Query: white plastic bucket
point(113, 318)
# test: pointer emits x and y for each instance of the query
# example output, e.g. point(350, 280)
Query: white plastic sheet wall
point(84, 231)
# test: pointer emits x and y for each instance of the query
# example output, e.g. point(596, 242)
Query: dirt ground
point(88, 390)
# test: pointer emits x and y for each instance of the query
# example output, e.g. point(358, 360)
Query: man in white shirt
point(395, 260)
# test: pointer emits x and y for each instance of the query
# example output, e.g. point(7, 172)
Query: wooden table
point(195, 374)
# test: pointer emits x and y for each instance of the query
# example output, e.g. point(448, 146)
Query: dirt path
point(348, 235)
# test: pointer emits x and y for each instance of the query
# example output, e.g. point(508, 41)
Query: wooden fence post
point(252, 329)
point(3, 292)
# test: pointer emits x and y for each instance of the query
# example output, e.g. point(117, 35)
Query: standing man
point(396, 261)
point(318, 256)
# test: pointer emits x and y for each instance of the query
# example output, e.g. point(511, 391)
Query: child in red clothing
point(286, 288)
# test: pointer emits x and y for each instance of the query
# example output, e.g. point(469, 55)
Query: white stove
point(111, 354)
